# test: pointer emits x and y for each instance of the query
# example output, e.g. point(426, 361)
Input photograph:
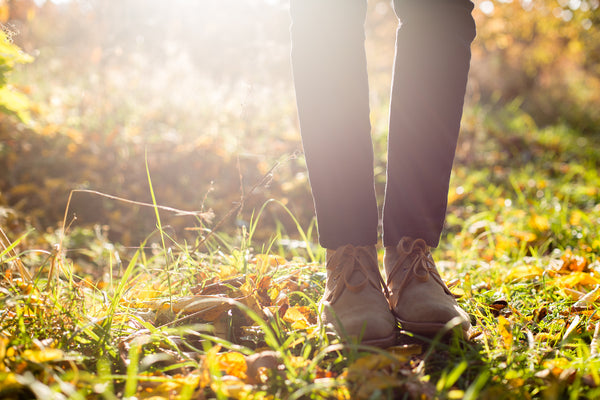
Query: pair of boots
point(359, 303)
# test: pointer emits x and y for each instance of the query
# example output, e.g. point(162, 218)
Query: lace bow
point(414, 260)
point(344, 263)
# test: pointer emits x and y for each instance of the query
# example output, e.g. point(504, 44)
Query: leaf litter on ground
point(520, 252)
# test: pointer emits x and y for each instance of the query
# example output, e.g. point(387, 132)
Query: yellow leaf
point(266, 261)
point(227, 271)
point(524, 236)
point(576, 279)
point(523, 272)
point(505, 332)
point(42, 356)
point(373, 362)
point(547, 337)
point(576, 217)
point(298, 362)
point(504, 243)
point(297, 316)
point(557, 365)
point(231, 387)
point(539, 222)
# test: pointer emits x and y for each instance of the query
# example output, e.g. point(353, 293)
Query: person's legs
point(429, 82)
point(332, 95)
point(330, 77)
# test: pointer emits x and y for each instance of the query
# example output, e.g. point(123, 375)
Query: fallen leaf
point(572, 262)
point(523, 272)
point(231, 387)
point(539, 222)
point(373, 362)
point(297, 316)
point(572, 326)
point(556, 366)
point(588, 299)
point(232, 363)
point(264, 262)
point(498, 306)
point(505, 332)
point(572, 293)
point(575, 279)
point(207, 308)
point(44, 355)
point(224, 287)
point(540, 314)
point(524, 236)
point(407, 350)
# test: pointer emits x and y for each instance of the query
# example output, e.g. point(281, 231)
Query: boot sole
point(382, 343)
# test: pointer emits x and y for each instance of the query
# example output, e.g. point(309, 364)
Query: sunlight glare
point(487, 7)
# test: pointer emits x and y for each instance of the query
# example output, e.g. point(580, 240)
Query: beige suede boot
point(418, 297)
point(354, 303)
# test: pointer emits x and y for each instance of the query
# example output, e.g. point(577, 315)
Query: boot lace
point(344, 263)
point(414, 261)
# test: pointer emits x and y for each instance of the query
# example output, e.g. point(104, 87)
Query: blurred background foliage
point(202, 90)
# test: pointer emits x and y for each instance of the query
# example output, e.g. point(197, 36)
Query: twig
point(202, 214)
point(244, 197)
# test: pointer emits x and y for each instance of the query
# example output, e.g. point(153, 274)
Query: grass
point(238, 318)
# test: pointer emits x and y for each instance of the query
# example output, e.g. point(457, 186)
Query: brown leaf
point(224, 287)
point(498, 306)
point(540, 314)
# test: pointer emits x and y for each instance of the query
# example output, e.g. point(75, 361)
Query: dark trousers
point(330, 76)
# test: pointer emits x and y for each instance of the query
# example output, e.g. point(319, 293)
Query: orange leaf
point(233, 363)
point(572, 262)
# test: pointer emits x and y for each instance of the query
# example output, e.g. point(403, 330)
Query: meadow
point(157, 238)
